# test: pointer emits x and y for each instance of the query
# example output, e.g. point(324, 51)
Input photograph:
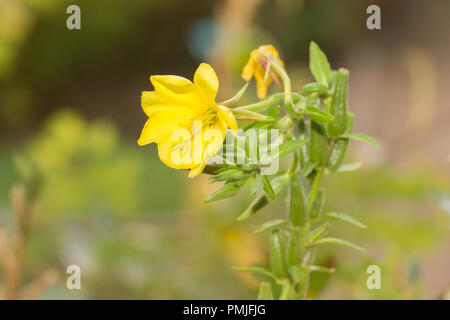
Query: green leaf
point(265, 291)
point(315, 268)
point(315, 87)
point(317, 206)
point(303, 136)
point(318, 64)
point(346, 218)
point(230, 174)
point(318, 115)
point(236, 97)
point(313, 191)
point(294, 247)
point(288, 147)
point(348, 167)
point(279, 183)
point(268, 187)
point(362, 138)
point(317, 232)
point(277, 262)
point(262, 200)
point(246, 114)
point(297, 272)
point(309, 167)
point(270, 224)
point(256, 270)
point(297, 208)
point(318, 143)
point(274, 111)
point(257, 204)
point(337, 241)
point(256, 185)
point(338, 107)
point(226, 191)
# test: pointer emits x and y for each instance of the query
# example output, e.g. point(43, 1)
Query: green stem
point(314, 189)
point(303, 291)
point(270, 101)
point(294, 165)
point(286, 287)
point(288, 101)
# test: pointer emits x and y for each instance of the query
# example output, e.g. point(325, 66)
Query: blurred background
point(75, 188)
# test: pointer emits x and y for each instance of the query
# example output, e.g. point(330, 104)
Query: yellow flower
point(260, 60)
point(184, 119)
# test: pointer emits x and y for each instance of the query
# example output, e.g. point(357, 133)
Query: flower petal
point(227, 117)
point(195, 171)
point(165, 149)
point(249, 69)
point(206, 79)
point(178, 90)
point(153, 102)
point(261, 86)
point(162, 123)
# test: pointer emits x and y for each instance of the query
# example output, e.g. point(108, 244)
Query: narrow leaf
point(268, 187)
point(318, 114)
point(315, 87)
point(277, 262)
point(294, 247)
point(318, 63)
point(337, 241)
point(338, 107)
point(348, 167)
point(317, 233)
point(270, 224)
point(288, 147)
point(256, 185)
point(257, 204)
point(314, 268)
point(309, 167)
point(236, 97)
point(362, 138)
point(297, 208)
point(226, 191)
point(246, 114)
point(317, 206)
point(346, 218)
point(318, 143)
point(256, 270)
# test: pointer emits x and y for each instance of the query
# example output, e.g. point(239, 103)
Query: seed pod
point(317, 206)
point(277, 263)
point(339, 104)
point(294, 247)
point(340, 147)
point(303, 150)
point(296, 202)
point(318, 144)
point(337, 154)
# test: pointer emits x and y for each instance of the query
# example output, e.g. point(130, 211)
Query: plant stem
point(286, 287)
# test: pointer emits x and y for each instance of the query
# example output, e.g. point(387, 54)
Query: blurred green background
point(70, 112)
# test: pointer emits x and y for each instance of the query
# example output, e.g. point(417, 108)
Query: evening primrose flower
point(260, 66)
point(184, 119)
